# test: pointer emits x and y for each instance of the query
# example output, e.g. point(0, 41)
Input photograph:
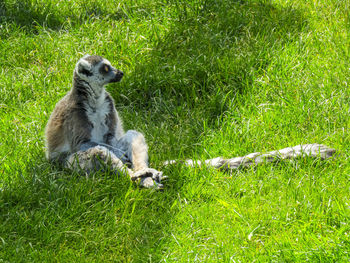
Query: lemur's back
point(56, 141)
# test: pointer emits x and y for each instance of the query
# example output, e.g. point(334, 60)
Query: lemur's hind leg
point(95, 159)
point(134, 146)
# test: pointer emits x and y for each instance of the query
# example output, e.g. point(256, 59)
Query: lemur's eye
point(106, 68)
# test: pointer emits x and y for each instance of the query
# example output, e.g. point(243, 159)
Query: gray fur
point(84, 130)
point(252, 159)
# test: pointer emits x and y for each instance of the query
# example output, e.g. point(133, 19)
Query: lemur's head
point(97, 71)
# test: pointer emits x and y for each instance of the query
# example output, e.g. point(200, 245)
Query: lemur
point(85, 132)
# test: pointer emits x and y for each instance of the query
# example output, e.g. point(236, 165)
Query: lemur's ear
point(84, 68)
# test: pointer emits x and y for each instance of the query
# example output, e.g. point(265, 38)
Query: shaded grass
point(203, 79)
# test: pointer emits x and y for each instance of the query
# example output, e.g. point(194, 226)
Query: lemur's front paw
point(148, 182)
point(149, 178)
point(147, 172)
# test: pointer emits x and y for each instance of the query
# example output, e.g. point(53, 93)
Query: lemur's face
point(97, 71)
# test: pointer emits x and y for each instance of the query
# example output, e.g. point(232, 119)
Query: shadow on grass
point(209, 57)
point(47, 212)
point(215, 46)
point(204, 66)
point(55, 15)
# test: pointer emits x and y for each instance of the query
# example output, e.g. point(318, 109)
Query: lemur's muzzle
point(118, 76)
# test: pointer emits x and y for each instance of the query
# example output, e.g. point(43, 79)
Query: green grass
point(202, 79)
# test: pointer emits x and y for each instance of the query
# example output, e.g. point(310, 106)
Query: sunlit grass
point(202, 79)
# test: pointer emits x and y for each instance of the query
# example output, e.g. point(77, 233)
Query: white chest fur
point(97, 116)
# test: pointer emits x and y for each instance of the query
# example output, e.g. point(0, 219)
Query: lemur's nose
point(119, 72)
point(118, 75)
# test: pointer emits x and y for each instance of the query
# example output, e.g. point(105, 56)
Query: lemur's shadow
point(179, 86)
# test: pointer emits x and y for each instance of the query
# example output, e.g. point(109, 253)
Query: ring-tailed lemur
point(85, 131)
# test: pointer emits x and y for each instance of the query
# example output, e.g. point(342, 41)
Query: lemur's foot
point(149, 178)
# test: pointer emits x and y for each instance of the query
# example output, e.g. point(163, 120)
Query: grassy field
point(202, 79)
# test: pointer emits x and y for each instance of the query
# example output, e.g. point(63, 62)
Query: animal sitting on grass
point(85, 132)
